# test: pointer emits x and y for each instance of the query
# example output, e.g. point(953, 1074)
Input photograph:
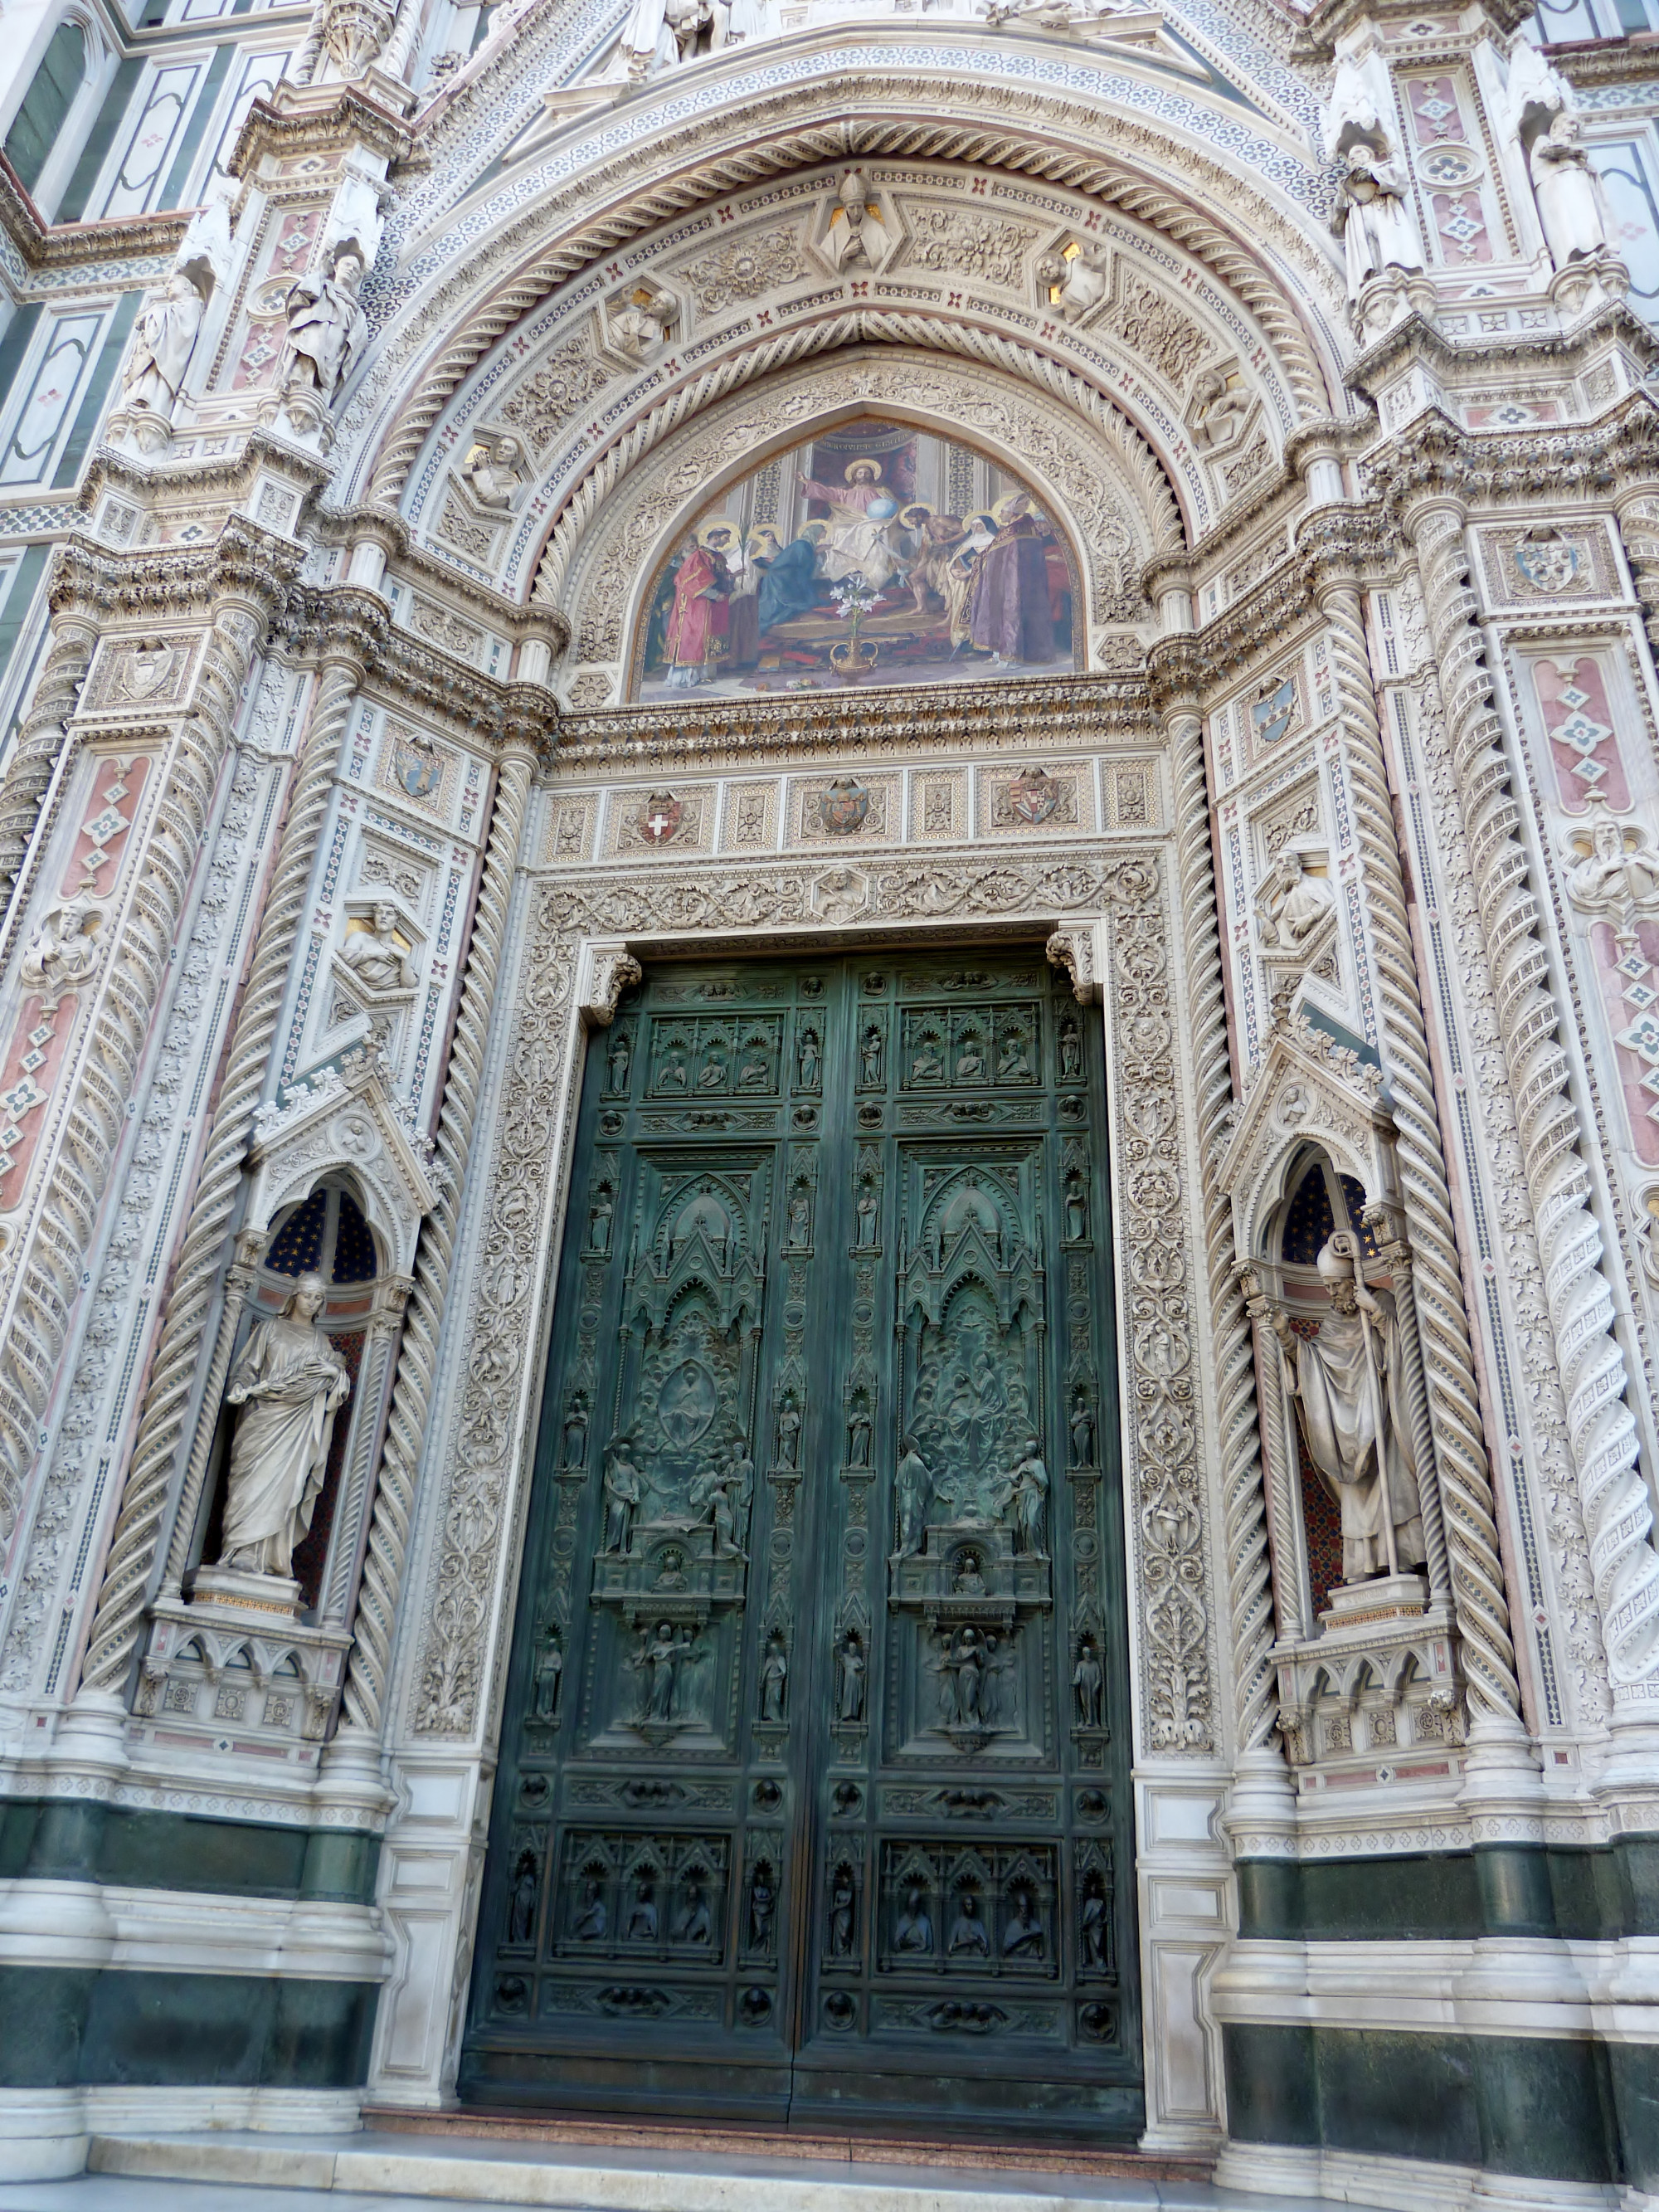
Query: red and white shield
point(843, 806)
point(660, 817)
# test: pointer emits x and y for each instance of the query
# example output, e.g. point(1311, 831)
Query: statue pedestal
point(1385, 1597)
point(236, 1592)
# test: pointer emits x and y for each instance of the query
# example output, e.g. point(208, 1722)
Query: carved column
point(249, 1247)
point(40, 740)
point(1244, 1529)
point(353, 617)
point(1602, 1432)
point(411, 1397)
point(144, 907)
point(1452, 1399)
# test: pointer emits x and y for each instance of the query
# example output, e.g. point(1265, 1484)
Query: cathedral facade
point(830, 1079)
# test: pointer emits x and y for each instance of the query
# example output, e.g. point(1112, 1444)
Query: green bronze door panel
point(814, 1794)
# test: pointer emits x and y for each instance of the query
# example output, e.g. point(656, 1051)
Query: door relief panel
point(811, 1740)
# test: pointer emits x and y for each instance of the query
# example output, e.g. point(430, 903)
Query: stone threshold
point(503, 2124)
point(533, 2168)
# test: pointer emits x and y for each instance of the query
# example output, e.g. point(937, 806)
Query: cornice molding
point(76, 245)
point(1433, 456)
point(1082, 710)
point(243, 562)
point(317, 129)
point(1414, 339)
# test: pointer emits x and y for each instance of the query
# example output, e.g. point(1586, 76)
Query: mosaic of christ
point(873, 553)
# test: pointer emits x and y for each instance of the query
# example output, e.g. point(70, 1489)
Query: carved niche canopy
point(346, 1117)
point(1306, 1090)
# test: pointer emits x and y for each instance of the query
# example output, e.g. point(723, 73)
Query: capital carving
point(608, 969)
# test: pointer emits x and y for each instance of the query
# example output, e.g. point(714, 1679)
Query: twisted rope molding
point(118, 1620)
point(48, 1270)
point(1452, 1401)
point(418, 1357)
point(1160, 207)
point(40, 741)
point(860, 326)
point(1243, 1521)
point(1600, 1428)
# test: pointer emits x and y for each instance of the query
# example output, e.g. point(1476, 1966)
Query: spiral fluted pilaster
point(40, 740)
point(1244, 1528)
point(101, 1072)
point(1451, 1397)
point(1600, 1428)
point(124, 1592)
point(418, 1357)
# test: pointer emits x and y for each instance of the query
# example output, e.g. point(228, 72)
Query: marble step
point(600, 2177)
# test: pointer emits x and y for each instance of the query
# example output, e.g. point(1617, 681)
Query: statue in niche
point(857, 237)
point(810, 1063)
point(843, 1903)
point(915, 1484)
point(642, 1917)
point(575, 1432)
point(913, 1930)
point(1568, 192)
point(327, 329)
point(968, 1581)
point(871, 1051)
point(762, 1906)
point(1071, 1049)
point(590, 1922)
point(660, 1659)
point(1091, 1924)
point(673, 1077)
point(623, 1487)
point(999, 1664)
point(800, 1218)
point(721, 1494)
point(1087, 1684)
point(1026, 1497)
point(550, 1677)
point(522, 1911)
point(492, 469)
point(1077, 1208)
point(1290, 904)
point(788, 1433)
point(290, 1382)
point(1012, 1064)
point(960, 1667)
point(374, 953)
point(1374, 219)
point(773, 1678)
point(622, 1059)
point(162, 346)
point(64, 950)
point(859, 1430)
point(641, 323)
point(1349, 1385)
point(970, 1062)
point(1083, 1431)
point(1024, 1933)
point(850, 1670)
point(967, 1929)
point(868, 1207)
point(926, 1066)
point(695, 1923)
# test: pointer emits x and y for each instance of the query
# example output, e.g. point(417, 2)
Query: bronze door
point(814, 1798)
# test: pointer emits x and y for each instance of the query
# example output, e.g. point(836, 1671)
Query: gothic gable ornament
point(347, 1116)
point(1307, 1089)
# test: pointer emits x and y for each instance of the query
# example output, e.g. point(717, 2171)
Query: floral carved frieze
point(1120, 897)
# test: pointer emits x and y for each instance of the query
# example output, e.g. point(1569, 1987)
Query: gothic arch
point(1270, 255)
point(1116, 515)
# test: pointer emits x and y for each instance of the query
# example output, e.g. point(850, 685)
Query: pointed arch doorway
point(814, 1801)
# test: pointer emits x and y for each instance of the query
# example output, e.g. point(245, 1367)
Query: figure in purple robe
point(1008, 616)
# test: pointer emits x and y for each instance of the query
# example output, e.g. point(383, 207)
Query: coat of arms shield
point(417, 767)
point(1550, 565)
point(1033, 796)
point(659, 817)
point(1272, 715)
point(147, 669)
point(843, 806)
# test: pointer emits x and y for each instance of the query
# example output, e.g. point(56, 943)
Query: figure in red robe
point(1009, 616)
point(700, 617)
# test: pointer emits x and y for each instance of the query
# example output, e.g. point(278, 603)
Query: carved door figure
point(814, 1801)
